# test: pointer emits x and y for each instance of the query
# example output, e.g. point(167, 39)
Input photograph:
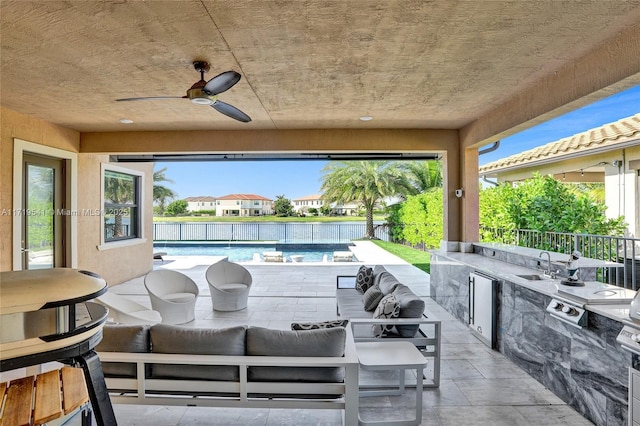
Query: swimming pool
point(245, 252)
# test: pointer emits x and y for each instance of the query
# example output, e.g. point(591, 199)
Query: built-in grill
point(47, 315)
point(569, 303)
point(629, 336)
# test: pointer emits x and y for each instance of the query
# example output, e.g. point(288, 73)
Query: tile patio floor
point(479, 386)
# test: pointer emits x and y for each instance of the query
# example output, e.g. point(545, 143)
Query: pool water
point(245, 252)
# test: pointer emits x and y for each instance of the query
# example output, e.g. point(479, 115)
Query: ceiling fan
point(206, 92)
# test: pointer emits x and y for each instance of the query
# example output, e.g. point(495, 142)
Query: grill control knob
point(556, 305)
point(569, 310)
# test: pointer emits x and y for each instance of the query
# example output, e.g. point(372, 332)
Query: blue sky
point(295, 179)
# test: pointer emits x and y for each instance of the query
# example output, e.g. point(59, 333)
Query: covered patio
point(320, 80)
point(490, 388)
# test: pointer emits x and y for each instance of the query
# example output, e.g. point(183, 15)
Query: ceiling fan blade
point(230, 111)
point(150, 98)
point(221, 82)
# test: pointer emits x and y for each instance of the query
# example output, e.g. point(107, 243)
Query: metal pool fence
point(283, 232)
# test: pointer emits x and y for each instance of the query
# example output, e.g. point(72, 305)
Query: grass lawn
point(418, 258)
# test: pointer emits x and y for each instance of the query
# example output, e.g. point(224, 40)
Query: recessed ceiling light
point(126, 121)
point(366, 118)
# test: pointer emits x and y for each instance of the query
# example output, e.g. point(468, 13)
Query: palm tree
point(161, 194)
point(367, 182)
point(424, 174)
point(118, 192)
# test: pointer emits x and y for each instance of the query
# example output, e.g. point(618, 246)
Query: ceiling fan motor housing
point(198, 97)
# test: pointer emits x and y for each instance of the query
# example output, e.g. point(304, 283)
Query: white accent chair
point(172, 294)
point(125, 311)
point(229, 285)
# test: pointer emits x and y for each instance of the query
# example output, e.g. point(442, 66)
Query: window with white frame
point(121, 197)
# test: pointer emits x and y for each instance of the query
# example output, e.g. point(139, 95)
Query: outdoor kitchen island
point(574, 354)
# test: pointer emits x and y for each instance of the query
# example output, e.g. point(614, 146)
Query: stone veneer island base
point(585, 367)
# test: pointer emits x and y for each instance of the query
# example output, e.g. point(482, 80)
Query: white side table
point(389, 355)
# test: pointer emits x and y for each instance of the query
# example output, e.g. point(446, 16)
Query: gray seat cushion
point(377, 270)
point(172, 339)
point(231, 286)
point(179, 297)
point(123, 338)
point(320, 342)
point(350, 304)
point(387, 283)
point(411, 306)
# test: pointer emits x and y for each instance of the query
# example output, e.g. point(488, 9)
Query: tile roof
point(609, 136)
point(243, 197)
point(309, 197)
point(201, 198)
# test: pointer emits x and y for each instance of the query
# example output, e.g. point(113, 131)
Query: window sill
point(120, 244)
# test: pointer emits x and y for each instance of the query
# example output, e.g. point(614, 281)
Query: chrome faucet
point(547, 272)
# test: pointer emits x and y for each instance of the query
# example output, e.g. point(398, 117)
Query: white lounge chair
point(126, 311)
point(342, 256)
point(172, 294)
point(273, 256)
point(229, 285)
point(159, 255)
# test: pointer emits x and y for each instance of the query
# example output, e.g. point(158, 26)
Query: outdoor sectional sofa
point(411, 324)
point(238, 366)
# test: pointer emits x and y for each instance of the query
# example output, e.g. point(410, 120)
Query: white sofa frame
point(147, 391)
point(429, 344)
point(428, 339)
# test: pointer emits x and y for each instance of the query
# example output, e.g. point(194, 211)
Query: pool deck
point(479, 386)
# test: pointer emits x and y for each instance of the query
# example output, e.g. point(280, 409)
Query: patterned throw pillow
point(364, 279)
point(372, 297)
point(387, 308)
point(317, 325)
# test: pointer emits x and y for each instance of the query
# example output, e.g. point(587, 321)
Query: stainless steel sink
point(531, 277)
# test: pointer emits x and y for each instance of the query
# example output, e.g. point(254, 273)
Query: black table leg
point(100, 401)
point(86, 416)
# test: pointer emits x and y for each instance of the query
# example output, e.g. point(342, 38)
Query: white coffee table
point(389, 355)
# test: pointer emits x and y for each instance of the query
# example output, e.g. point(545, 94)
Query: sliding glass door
point(43, 230)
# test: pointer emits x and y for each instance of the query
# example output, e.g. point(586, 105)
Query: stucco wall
point(622, 188)
point(15, 125)
point(116, 265)
point(632, 189)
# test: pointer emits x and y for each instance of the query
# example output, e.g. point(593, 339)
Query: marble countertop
point(583, 262)
point(510, 272)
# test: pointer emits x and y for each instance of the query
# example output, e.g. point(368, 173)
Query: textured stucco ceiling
point(304, 64)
